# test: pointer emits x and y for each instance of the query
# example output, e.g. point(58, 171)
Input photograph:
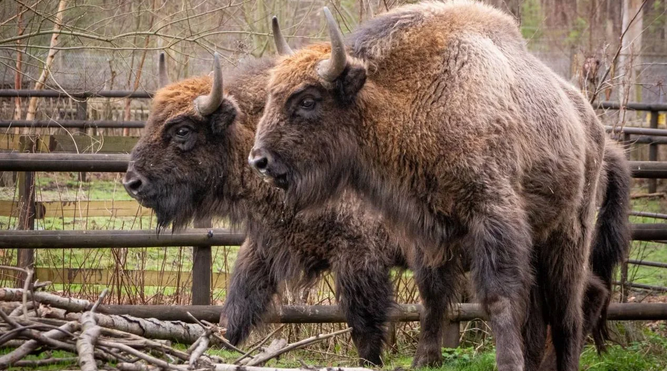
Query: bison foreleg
point(364, 292)
point(250, 292)
point(438, 287)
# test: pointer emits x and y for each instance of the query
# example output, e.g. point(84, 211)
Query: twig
point(618, 53)
point(648, 195)
point(297, 345)
point(150, 359)
point(26, 288)
point(215, 335)
point(259, 345)
point(44, 362)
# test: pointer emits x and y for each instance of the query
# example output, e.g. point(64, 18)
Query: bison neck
point(397, 173)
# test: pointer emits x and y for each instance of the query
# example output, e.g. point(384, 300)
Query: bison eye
point(307, 103)
point(183, 132)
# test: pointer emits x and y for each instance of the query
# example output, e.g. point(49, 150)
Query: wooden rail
point(27, 93)
point(95, 239)
point(118, 163)
point(332, 314)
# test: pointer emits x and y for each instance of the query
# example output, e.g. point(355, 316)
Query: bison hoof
point(372, 363)
point(431, 358)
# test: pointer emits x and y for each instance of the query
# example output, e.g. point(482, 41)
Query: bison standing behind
point(190, 163)
point(437, 115)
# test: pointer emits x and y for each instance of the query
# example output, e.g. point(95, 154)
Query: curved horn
point(330, 69)
point(163, 79)
point(207, 104)
point(281, 44)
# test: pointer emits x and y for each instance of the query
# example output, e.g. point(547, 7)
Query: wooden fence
point(55, 152)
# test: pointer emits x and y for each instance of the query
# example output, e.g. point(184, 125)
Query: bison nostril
point(133, 184)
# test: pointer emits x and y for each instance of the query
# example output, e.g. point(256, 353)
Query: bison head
point(307, 139)
point(176, 166)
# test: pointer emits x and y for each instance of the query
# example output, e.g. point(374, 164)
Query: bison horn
point(330, 69)
point(207, 104)
point(163, 79)
point(281, 44)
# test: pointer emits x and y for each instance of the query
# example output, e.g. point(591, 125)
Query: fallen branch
point(9, 307)
point(29, 305)
point(266, 353)
point(228, 367)
point(150, 359)
point(181, 332)
point(69, 304)
point(26, 288)
point(648, 195)
point(259, 345)
point(199, 347)
point(85, 345)
point(297, 345)
point(44, 362)
point(19, 353)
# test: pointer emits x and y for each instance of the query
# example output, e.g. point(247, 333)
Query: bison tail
point(611, 242)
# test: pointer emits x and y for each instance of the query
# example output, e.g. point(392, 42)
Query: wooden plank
point(90, 276)
point(12, 142)
point(91, 144)
point(9, 142)
point(82, 209)
point(72, 143)
point(78, 209)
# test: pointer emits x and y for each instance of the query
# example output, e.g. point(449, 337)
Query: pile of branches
point(34, 321)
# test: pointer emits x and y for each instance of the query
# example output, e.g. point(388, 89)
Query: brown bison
point(438, 116)
point(191, 163)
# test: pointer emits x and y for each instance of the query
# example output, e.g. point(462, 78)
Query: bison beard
point(442, 120)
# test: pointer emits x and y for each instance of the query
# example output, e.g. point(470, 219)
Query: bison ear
point(224, 116)
point(350, 82)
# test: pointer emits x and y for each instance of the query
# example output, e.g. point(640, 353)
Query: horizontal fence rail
point(118, 163)
point(109, 163)
point(638, 131)
point(100, 239)
point(72, 124)
point(27, 93)
point(648, 263)
point(632, 106)
point(332, 313)
point(12, 239)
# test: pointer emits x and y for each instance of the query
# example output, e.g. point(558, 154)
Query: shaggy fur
point(207, 175)
point(465, 142)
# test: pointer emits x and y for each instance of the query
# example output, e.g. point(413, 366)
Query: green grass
point(647, 355)
point(45, 355)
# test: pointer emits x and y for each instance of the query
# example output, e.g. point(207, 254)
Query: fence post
point(26, 219)
point(82, 114)
point(627, 145)
point(201, 269)
point(451, 332)
point(653, 152)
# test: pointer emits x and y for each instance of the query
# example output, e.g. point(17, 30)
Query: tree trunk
point(39, 85)
point(629, 56)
